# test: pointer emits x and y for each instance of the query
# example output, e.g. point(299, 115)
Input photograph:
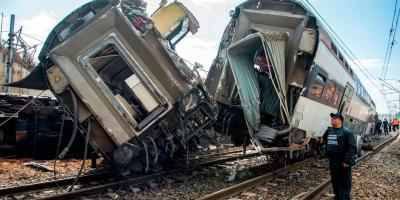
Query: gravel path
point(13, 172)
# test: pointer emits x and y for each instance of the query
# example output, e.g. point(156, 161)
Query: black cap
point(333, 115)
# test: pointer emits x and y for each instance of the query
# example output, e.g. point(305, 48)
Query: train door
point(344, 110)
point(345, 102)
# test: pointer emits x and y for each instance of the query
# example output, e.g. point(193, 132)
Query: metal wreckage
point(124, 85)
point(35, 130)
point(140, 105)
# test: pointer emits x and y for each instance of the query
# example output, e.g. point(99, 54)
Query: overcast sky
point(363, 25)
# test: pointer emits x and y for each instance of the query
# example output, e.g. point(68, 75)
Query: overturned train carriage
point(277, 77)
point(124, 84)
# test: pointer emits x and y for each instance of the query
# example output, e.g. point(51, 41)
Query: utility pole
point(10, 57)
point(1, 29)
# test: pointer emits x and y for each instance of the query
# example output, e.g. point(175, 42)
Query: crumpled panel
point(241, 58)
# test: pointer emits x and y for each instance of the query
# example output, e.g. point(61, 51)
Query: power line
point(390, 39)
point(392, 43)
point(390, 86)
point(343, 46)
point(32, 37)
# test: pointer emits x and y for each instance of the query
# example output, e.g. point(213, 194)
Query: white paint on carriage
point(311, 116)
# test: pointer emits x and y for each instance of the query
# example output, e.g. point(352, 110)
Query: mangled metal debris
point(116, 67)
point(117, 70)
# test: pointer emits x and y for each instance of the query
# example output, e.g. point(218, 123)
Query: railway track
point(134, 182)
point(318, 191)
point(247, 186)
point(131, 181)
point(53, 184)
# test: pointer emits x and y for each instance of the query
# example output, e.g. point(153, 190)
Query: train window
point(318, 86)
point(335, 97)
point(346, 65)
point(347, 93)
point(333, 46)
point(118, 77)
point(341, 57)
point(329, 91)
point(359, 92)
point(364, 94)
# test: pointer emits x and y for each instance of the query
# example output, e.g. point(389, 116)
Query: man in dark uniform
point(340, 150)
point(386, 127)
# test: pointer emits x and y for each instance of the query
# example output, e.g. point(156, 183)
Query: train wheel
point(279, 159)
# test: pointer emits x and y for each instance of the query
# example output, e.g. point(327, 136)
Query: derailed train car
point(125, 86)
point(277, 77)
point(32, 127)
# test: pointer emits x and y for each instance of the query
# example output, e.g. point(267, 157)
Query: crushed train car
point(278, 75)
point(32, 127)
point(123, 83)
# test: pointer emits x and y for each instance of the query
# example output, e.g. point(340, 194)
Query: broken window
point(174, 22)
point(80, 20)
point(318, 86)
point(127, 87)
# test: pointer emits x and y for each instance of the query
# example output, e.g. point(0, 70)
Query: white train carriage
point(277, 77)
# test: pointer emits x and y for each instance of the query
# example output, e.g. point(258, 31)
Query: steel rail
point(318, 191)
point(140, 180)
point(244, 186)
point(53, 184)
point(14, 190)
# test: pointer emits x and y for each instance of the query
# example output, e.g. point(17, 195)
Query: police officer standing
point(341, 148)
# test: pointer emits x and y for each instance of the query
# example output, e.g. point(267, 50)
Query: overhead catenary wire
point(35, 38)
point(389, 40)
point(392, 44)
point(390, 86)
point(343, 46)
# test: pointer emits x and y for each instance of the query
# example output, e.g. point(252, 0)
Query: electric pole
point(1, 30)
point(10, 57)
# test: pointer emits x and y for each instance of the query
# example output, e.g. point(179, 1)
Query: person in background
point(379, 127)
point(394, 121)
point(386, 127)
point(340, 150)
point(390, 125)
